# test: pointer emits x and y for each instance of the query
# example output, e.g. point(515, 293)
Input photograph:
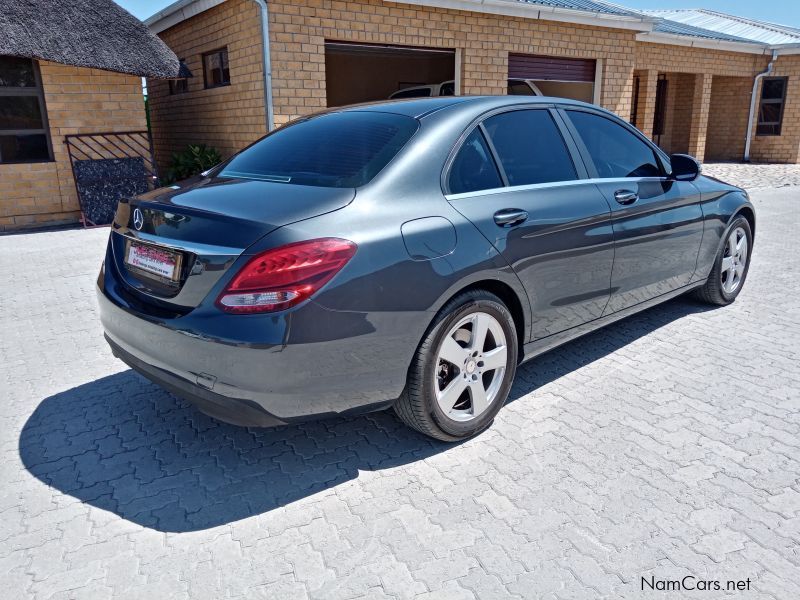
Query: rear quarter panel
point(393, 287)
point(378, 308)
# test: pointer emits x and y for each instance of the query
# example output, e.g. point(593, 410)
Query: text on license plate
point(153, 260)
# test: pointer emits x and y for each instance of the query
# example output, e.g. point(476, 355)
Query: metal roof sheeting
point(591, 6)
point(676, 28)
point(738, 27)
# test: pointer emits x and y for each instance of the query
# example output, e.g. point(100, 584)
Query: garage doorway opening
point(357, 72)
point(573, 78)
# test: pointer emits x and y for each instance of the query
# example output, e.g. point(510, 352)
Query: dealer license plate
point(153, 261)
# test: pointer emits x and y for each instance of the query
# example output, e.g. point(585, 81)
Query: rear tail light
point(283, 277)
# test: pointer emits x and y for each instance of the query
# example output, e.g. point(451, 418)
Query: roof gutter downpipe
point(758, 78)
point(268, 106)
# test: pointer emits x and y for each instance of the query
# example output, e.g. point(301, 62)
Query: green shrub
point(195, 159)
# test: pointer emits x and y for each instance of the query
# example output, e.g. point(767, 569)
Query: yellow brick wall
point(730, 100)
point(784, 147)
point(727, 123)
point(678, 113)
point(299, 31)
point(230, 118)
point(684, 59)
point(685, 110)
point(227, 118)
point(78, 100)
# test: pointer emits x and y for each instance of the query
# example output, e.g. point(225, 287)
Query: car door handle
point(626, 196)
point(508, 217)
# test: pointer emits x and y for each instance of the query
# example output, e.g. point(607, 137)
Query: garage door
point(357, 72)
point(562, 77)
point(549, 68)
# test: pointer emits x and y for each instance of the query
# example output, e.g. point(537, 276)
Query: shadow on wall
point(122, 444)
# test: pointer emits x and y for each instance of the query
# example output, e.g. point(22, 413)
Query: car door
point(658, 222)
point(522, 184)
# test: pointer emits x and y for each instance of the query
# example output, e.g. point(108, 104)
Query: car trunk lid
point(172, 245)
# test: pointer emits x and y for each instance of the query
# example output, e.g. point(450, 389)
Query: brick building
point(68, 69)
point(687, 85)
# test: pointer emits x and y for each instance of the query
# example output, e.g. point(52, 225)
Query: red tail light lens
point(285, 276)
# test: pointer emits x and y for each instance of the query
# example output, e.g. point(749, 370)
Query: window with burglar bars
point(24, 135)
point(770, 109)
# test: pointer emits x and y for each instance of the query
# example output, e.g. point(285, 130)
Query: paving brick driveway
point(665, 445)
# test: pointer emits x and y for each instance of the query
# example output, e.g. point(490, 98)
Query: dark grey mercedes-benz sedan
point(409, 255)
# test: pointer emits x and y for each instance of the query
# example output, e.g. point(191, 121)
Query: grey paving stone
point(622, 454)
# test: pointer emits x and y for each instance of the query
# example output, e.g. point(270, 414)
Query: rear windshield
point(345, 149)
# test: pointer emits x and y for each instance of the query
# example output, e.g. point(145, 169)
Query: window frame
point(660, 114)
point(553, 110)
point(661, 158)
point(781, 101)
point(492, 156)
point(206, 84)
point(36, 91)
point(635, 104)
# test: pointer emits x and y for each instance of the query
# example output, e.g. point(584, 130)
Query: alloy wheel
point(470, 367)
point(734, 260)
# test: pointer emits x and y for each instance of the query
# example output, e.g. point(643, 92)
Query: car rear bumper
point(236, 411)
point(260, 370)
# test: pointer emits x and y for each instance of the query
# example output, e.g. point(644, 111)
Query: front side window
point(215, 68)
point(770, 109)
point(615, 151)
point(473, 168)
point(23, 124)
point(345, 149)
point(530, 147)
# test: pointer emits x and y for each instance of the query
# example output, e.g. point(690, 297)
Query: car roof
point(410, 107)
point(419, 108)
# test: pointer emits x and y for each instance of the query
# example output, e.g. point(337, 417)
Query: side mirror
point(684, 167)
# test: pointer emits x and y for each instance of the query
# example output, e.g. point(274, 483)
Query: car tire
point(730, 267)
point(451, 357)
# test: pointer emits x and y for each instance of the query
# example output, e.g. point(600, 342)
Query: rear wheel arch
point(423, 402)
point(510, 298)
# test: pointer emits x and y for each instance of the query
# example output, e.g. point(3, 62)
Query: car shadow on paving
point(124, 445)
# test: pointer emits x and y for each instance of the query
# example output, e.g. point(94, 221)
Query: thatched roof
point(86, 33)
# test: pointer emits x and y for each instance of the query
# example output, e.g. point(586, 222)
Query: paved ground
point(666, 445)
point(754, 176)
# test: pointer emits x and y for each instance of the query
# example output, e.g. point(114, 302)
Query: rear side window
point(345, 149)
point(530, 147)
point(473, 168)
point(615, 151)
